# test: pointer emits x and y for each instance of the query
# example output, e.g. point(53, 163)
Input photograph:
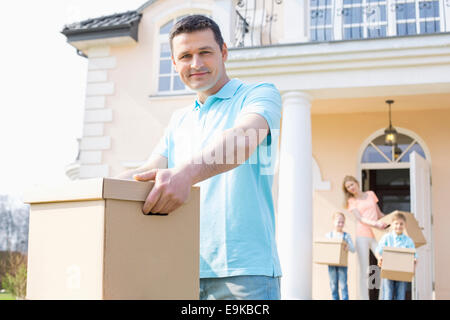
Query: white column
point(294, 224)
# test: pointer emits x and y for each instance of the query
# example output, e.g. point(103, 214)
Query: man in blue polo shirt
point(226, 143)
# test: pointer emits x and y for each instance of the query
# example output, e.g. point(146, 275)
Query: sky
point(42, 88)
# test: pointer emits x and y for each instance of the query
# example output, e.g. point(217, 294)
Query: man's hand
point(345, 246)
point(170, 191)
point(380, 262)
point(155, 161)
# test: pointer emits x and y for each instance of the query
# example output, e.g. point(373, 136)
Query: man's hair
point(194, 23)
point(399, 216)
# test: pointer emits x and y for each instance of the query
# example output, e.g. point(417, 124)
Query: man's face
point(198, 59)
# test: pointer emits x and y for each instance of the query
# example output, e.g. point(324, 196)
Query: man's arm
point(154, 162)
point(232, 148)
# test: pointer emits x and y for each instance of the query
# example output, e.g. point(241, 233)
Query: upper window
point(378, 152)
point(359, 19)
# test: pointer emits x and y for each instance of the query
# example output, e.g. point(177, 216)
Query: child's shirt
point(345, 236)
point(394, 240)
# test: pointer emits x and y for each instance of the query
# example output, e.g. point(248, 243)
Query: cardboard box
point(398, 264)
point(413, 230)
point(89, 239)
point(330, 252)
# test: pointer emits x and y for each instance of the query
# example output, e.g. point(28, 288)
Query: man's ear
point(224, 52)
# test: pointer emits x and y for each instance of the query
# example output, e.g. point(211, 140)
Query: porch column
point(294, 222)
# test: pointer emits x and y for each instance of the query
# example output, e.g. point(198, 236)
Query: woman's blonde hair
point(347, 194)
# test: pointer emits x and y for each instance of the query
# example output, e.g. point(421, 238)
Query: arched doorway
point(400, 176)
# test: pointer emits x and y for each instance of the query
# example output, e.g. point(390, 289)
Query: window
point(364, 19)
point(169, 80)
point(321, 20)
point(360, 19)
point(413, 17)
point(377, 152)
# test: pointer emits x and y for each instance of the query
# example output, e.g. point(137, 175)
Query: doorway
point(392, 187)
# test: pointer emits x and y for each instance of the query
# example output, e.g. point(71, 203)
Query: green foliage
point(7, 296)
point(16, 283)
point(13, 273)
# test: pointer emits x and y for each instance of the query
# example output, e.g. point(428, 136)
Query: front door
point(421, 207)
point(400, 177)
point(392, 187)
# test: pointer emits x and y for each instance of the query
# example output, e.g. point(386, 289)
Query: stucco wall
point(336, 142)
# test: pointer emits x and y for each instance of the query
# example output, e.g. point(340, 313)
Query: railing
point(328, 20)
point(255, 22)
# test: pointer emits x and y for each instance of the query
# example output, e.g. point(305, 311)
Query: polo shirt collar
point(229, 89)
point(226, 92)
point(397, 237)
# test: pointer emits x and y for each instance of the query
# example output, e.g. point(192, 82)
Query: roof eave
point(103, 33)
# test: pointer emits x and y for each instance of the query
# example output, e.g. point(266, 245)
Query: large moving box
point(330, 252)
point(398, 264)
point(90, 240)
point(413, 230)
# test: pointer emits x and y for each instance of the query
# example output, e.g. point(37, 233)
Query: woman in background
point(364, 206)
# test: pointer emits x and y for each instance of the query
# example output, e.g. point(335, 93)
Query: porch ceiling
point(377, 104)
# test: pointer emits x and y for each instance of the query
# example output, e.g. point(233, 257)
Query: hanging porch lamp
point(397, 152)
point(390, 134)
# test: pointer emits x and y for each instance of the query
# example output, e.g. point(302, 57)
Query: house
point(336, 63)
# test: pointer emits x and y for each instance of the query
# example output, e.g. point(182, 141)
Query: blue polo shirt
point(394, 240)
point(237, 220)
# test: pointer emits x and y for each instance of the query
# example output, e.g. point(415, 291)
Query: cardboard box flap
point(412, 230)
point(131, 190)
point(400, 250)
point(326, 240)
point(126, 189)
point(88, 189)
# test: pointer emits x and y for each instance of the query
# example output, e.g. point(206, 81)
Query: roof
point(118, 25)
point(114, 21)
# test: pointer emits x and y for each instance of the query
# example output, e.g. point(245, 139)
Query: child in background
point(338, 275)
point(395, 290)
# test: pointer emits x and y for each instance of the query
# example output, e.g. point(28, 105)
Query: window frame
point(394, 164)
point(338, 24)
